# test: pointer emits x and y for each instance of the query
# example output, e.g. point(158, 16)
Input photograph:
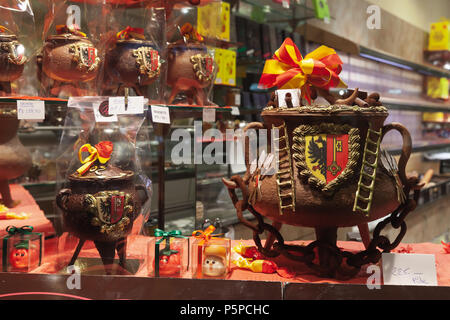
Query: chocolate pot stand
point(15, 159)
point(181, 76)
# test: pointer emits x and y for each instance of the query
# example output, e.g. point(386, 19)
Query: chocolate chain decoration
point(341, 264)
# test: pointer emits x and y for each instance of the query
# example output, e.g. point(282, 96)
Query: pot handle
point(406, 148)
point(251, 125)
point(146, 193)
point(61, 198)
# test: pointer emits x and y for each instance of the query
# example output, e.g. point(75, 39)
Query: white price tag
point(209, 115)
point(135, 105)
point(235, 111)
point(160, 114)
point(285, 4)
point(30, 109)
point(237, 99)
point(295, 95)
point(102, 114)
point(326, 20)
point(409, 269)
point(116, 104)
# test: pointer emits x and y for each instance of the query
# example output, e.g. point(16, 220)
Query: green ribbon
point(165, 236)
point(22, 231)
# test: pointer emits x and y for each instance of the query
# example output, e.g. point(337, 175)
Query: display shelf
point(420, 105)
point(276, 13)
point(439, 58)
point(54, 286)
point(421, 146)
point(426, 69)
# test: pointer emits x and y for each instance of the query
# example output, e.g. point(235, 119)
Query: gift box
point(210, 254)
point(439, 36)
point(168, 254)
point(22, 249)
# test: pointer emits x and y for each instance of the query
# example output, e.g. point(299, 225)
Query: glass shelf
point(267, 11)
point(426, 69)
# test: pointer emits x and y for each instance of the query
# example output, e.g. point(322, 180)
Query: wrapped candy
point(248, 257)
point(446, 246)
point(5, 214)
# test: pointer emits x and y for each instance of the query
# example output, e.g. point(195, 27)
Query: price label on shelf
point(209, 115)
point(237, 99)
point(116, 105)
point(134, 105)
point(30, 110)
point(160, 114)
point(409, 269)
point(235, 111)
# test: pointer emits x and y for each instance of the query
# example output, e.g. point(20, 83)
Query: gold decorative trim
point(299, 147)
point(363, 173)
point(144, 61)
point(330, 109)
point(288, 182)
point(79, 58)
point(10, 48)
point(200, 70)
point(91, 203)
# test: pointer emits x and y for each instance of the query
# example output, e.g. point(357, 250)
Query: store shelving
point(288, 16)
point(425, 69)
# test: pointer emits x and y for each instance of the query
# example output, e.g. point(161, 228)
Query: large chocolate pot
point(303, 192)
point(133, 63)
point(15, 159)
point(191, 69)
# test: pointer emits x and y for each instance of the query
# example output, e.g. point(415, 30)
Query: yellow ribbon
point(205, 235)
point(90, 159)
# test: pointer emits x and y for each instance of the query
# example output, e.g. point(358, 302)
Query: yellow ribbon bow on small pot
point(101, 152)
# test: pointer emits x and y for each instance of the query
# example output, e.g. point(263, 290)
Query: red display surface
point(29, 206)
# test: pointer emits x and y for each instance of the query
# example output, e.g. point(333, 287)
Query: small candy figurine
point(18, 258)
point(214, 264)
point(169, 262)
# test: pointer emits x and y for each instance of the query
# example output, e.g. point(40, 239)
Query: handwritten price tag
point(160, 114)
point(30, 110)
point(209, 115)
point(235, 111)
point(135, 105)
point(409, 269)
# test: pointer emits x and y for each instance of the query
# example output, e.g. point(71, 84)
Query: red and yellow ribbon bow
point(289, 70)
point(190, 33)
point(131, 33)
point(73, 29)
point(205, 235)
point(101, 152)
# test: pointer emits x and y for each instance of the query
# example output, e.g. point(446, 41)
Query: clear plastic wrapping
point(17, 47)
point(104, 196)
